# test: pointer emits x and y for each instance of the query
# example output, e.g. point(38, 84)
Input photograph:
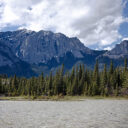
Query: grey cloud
point(101, 22)
point(93, 21)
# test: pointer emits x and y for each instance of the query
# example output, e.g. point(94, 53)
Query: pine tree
point(33, 87)
point(96, 80)
point(125, 80)
point(50, 84)
point(59, 87)
point(104, 80)
point(41, 84)
point(14, 85)
point(72, 76)
point(80, 72)
point(24, 87)
point(0, 85)
point(85, 88)
point(62, 85)
point(111, 70)
point(82, 80)
point(75, 85)
point(111, 78)
point(74, 90)
point(125, 65)
point(70, 82)
point(29, 88)
point(77, 82)
point(19, 87)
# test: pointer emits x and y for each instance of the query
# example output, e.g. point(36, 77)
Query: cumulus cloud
point(94, 22)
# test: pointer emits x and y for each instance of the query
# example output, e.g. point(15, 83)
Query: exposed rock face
point(39, 47)
point(6, 56)
point(120, 50)
point(117, 54)
point(10, 64)
point(28, 53)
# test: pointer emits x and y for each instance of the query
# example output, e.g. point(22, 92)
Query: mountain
point(117, 54)
point(40, 47)
point(10, 64)
point(27, 53)
point(42, 51)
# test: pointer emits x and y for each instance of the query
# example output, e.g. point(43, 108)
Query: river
point(64, 114)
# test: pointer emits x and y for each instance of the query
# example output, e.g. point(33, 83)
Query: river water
point(64, 114)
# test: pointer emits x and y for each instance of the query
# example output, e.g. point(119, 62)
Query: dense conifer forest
point(80, 81)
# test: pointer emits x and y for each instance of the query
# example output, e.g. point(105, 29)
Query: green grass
point(59, 98)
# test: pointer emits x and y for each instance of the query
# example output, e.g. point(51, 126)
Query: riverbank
point(59, 98)
point(64, 114)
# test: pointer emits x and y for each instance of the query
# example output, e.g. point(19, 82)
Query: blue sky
point(124, 26)
point(99, 24)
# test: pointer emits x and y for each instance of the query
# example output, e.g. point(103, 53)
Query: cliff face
point(120, 50)
point(35, 52)
point(117, 54)
point(39, 47)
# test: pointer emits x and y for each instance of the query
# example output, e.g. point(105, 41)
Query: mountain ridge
point(44, 51)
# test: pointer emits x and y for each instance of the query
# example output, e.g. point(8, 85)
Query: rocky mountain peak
point(44, 51)
point(120, 51)
point(121, 48)
point(39, 47)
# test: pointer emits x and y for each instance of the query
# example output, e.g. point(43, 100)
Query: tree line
point(80, 81)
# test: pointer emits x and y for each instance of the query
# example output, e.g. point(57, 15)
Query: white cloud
point(124, 39)
point(108, 48)
point(92, 21)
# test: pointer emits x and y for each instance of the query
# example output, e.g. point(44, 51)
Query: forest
point(80, 81)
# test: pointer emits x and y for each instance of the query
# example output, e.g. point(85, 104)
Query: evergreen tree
point(14, 85)
point(125, 65)
point(111, 70)
point(111, 78)
point(104, 80)
point(74, 90)
point(125, 80)
point(96, 80)
point(50, 84)
point(0, 85)
point(77, 82)
point(41, 84)
point(80, 72)
point(62, 84)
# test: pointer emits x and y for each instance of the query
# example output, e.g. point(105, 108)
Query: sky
point(99, 24)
